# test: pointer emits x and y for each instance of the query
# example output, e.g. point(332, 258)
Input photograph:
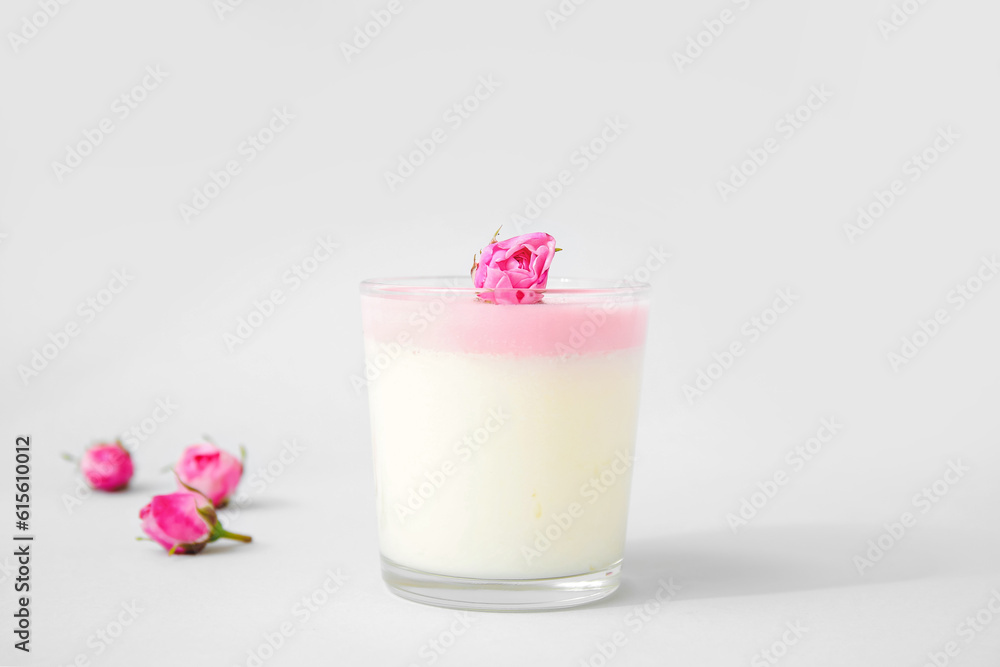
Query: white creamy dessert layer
point(503, 466)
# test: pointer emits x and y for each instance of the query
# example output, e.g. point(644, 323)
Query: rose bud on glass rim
point(105, 466)
point(212, 471)
point(514, 267)
point(183, 523)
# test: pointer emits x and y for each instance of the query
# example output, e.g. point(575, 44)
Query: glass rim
point(567, 286)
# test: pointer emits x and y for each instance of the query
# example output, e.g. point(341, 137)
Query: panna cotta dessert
point(503, 435)
point(503, 430)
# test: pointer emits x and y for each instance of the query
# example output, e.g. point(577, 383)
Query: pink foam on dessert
point(462, 323)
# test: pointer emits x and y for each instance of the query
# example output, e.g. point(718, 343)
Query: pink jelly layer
point(466, 324)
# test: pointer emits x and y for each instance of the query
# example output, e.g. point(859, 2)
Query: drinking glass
point(503, 438)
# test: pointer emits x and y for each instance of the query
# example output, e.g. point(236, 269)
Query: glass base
point(500, 594)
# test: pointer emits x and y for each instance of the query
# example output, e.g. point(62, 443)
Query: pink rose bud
point(107, 466)
point(183, 523)
point(210, 471)
point(515, 268)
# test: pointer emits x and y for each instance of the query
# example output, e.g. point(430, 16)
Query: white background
point(654, 187)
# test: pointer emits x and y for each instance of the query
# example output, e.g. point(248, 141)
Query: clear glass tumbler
point(503, 438)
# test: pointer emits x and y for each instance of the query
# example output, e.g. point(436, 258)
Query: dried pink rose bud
point(106, 466)
point(212, 471)
point(183, 523)
point(514, 268)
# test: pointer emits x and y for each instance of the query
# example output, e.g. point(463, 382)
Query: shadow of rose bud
point(212, 471)
point(106, 466)
point(183, 523)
